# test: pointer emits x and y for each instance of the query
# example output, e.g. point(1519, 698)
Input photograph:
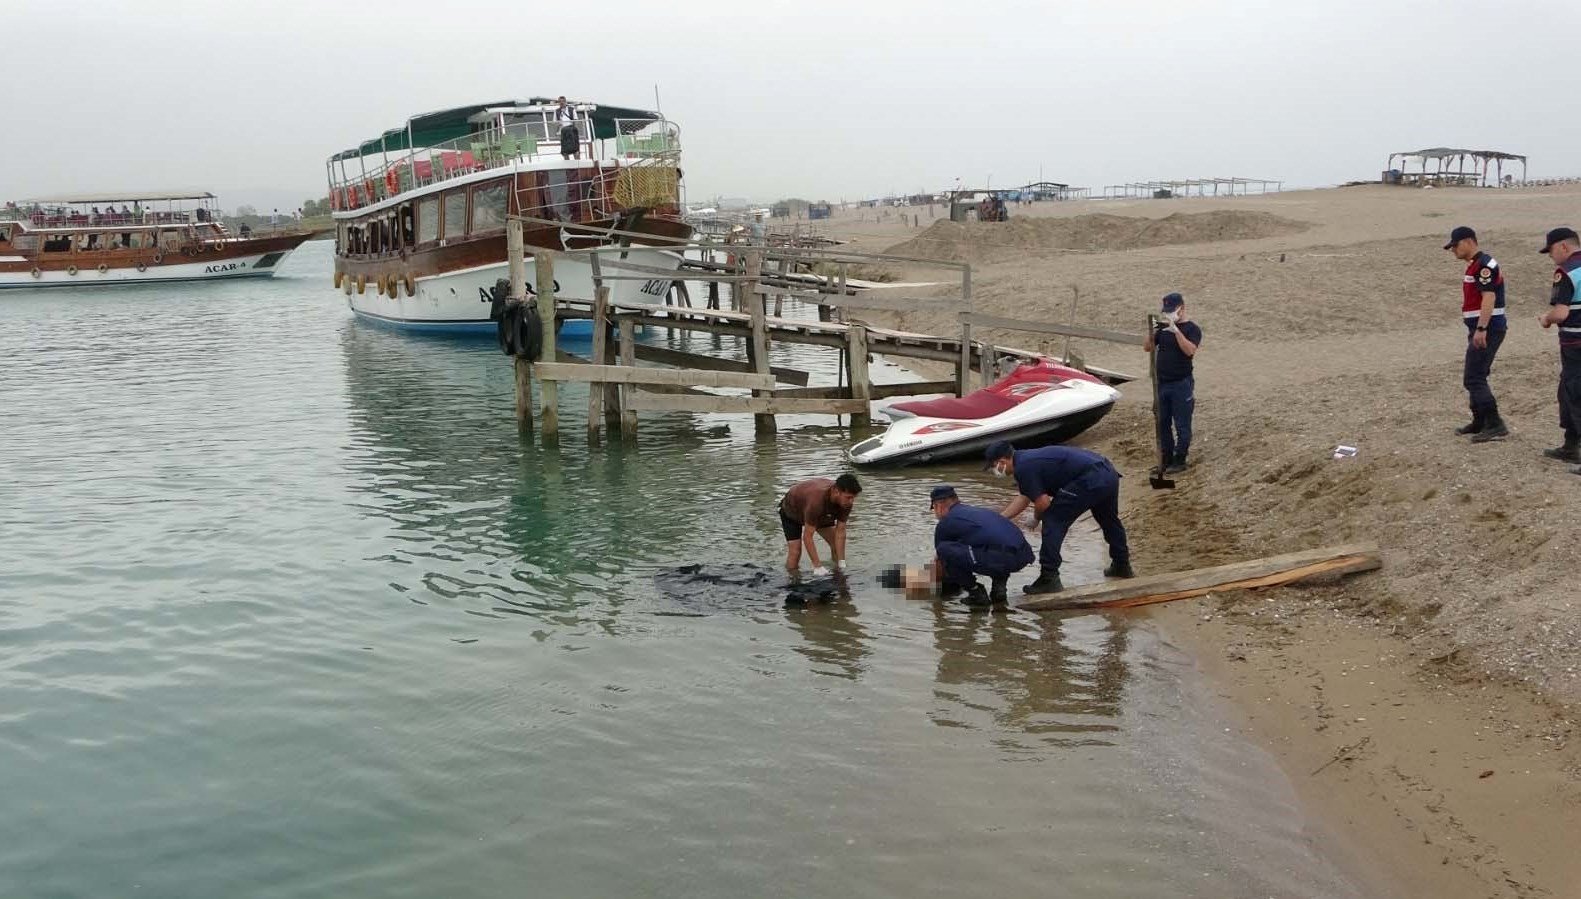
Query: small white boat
point(1037, 404)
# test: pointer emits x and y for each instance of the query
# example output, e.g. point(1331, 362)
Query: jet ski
point(1037, 404)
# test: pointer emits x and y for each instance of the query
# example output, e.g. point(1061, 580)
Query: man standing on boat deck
point(1177, 340)
point(570, 139)
point(817, 506)
point(972, 540)
point(1060, 483)
point(1482, 307)
point(1564, 310)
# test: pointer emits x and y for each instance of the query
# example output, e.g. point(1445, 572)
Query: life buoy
point(338, 278)
point(103, 268)
point(36, 273)
point(158, 258)
point(362, 283)
point(142, 266)
point(411, 285)
point(72, 270)
point(392, 182)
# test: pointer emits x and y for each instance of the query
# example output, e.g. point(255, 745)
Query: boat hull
point(459, 301)
point(240, 259)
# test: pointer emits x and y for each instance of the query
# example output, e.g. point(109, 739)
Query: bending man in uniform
point(971, 540)
point(1060, 483)
point(1564, 310)
point(817, 506)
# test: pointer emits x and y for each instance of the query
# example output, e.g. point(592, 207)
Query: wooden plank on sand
point(1268, 572)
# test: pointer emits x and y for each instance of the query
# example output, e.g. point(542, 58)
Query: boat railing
point(65, 219)
point(636, 142)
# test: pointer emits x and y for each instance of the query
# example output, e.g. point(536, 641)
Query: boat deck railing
point(637, 142)
point(66, 219)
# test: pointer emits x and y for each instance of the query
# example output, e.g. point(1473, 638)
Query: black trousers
point(1570, 392)
point(1479, 364)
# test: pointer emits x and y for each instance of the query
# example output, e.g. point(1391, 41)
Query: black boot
point(1478, 421)
point(1119, 569)
point(976, 597)
point(1176, 465)
point(1047, 582)
point(1570, 452)
point(1494, 429)
point(997, 595)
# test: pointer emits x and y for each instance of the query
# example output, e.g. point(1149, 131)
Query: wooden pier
point(753, 275)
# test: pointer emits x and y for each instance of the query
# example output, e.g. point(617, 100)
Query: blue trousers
point(1479, 363)
point(1176, 401)
point(963, 563)
point(1097, 490)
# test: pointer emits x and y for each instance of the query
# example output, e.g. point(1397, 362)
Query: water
point(289, 609)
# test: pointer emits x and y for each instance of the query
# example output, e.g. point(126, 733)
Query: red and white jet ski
point(1037, 404)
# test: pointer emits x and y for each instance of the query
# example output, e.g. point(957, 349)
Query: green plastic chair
point(508, 146)
point(527, 146)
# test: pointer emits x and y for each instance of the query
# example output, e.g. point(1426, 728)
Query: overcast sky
point(815, 99)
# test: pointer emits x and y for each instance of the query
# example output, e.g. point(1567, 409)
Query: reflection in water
point(1057, 680)
point(835, 641)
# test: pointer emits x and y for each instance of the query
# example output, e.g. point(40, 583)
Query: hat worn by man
point(940, 493)
point(1555, 236)
point(999, 449)
point(1459, 234)
point(1173, 301)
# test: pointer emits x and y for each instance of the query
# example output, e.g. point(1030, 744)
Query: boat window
point(408, 226)
point(455, 213)
point(428, 220)
point(5, 233)
point(141, 240)
point(171, 240)
point(57, 243)
point(488, 207)
point(90, 241)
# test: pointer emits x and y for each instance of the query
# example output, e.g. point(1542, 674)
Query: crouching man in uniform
point(971, 540)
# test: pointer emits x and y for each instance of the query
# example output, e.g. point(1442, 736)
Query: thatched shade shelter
point(1451, 166)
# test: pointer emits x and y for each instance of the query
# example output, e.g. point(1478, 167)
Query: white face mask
point(998, 471)
point(1171, 317)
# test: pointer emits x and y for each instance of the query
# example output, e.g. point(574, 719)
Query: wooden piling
point(963, 376)
point(543, 260)
point(628, 356)
point(518, 289)
point(988, 363)
point(595, 393)
point(763, 423)
point(861, 386)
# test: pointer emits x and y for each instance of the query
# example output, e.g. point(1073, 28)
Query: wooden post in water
point(518, 290)
point(779, 298)
point(861, 387)
point(595, 392)
point(628, 356)
point(544, 276)
point(759, 344)
point(963, 377)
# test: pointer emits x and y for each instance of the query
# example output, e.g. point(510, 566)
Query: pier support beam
point(518, 290)
point(628, 356)
point(595, 393)
point(861, 387)
point(759, 345)
point(543, 260)
point(963, 377)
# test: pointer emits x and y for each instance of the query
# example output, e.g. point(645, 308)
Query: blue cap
point(1459, 234)
point(1173, 301)
point(943, 491)
point(997, 450)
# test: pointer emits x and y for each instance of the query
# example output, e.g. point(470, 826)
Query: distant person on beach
point(1564, 310)
point(570, 139)
point(817, 506)
point(1482, 307)
point(1177, 340)
point(1060, 483)
point(972, 540)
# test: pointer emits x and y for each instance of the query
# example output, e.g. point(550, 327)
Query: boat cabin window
point(408, 226)
point(428, 220)
point(171, 240)
point(5, 235)
point(488, 207)
point(57, 243)
point(92, 241)
point(455, 213)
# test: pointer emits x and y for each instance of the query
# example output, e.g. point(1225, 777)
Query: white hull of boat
point(200, 270)
point(459, 301)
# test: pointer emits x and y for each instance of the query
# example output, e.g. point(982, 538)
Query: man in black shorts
point(817, 506)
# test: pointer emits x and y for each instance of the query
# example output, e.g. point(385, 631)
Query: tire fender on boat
point(362, 283)
point(339, 276)
point(392, 286)
point(36, 273)
point(103, 268)
point(411, 285)
point(142, 266)
point(72, 270)
point(158, 258)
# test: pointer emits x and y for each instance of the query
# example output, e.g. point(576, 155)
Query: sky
point(813, 99)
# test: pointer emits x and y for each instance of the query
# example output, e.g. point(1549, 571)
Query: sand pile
point(981, 242)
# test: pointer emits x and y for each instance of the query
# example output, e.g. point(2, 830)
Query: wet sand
point(1346, 330)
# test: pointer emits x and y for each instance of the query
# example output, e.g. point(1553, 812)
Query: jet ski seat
point(983, 403)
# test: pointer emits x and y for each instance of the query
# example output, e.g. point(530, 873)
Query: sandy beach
point(1428, 707)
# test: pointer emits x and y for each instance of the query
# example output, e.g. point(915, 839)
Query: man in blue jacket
point(1060, 483)
point(971, 540)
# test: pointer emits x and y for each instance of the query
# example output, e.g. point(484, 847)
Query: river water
point(288, 608)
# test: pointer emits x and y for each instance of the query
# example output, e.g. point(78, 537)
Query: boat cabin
point(101, 223)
